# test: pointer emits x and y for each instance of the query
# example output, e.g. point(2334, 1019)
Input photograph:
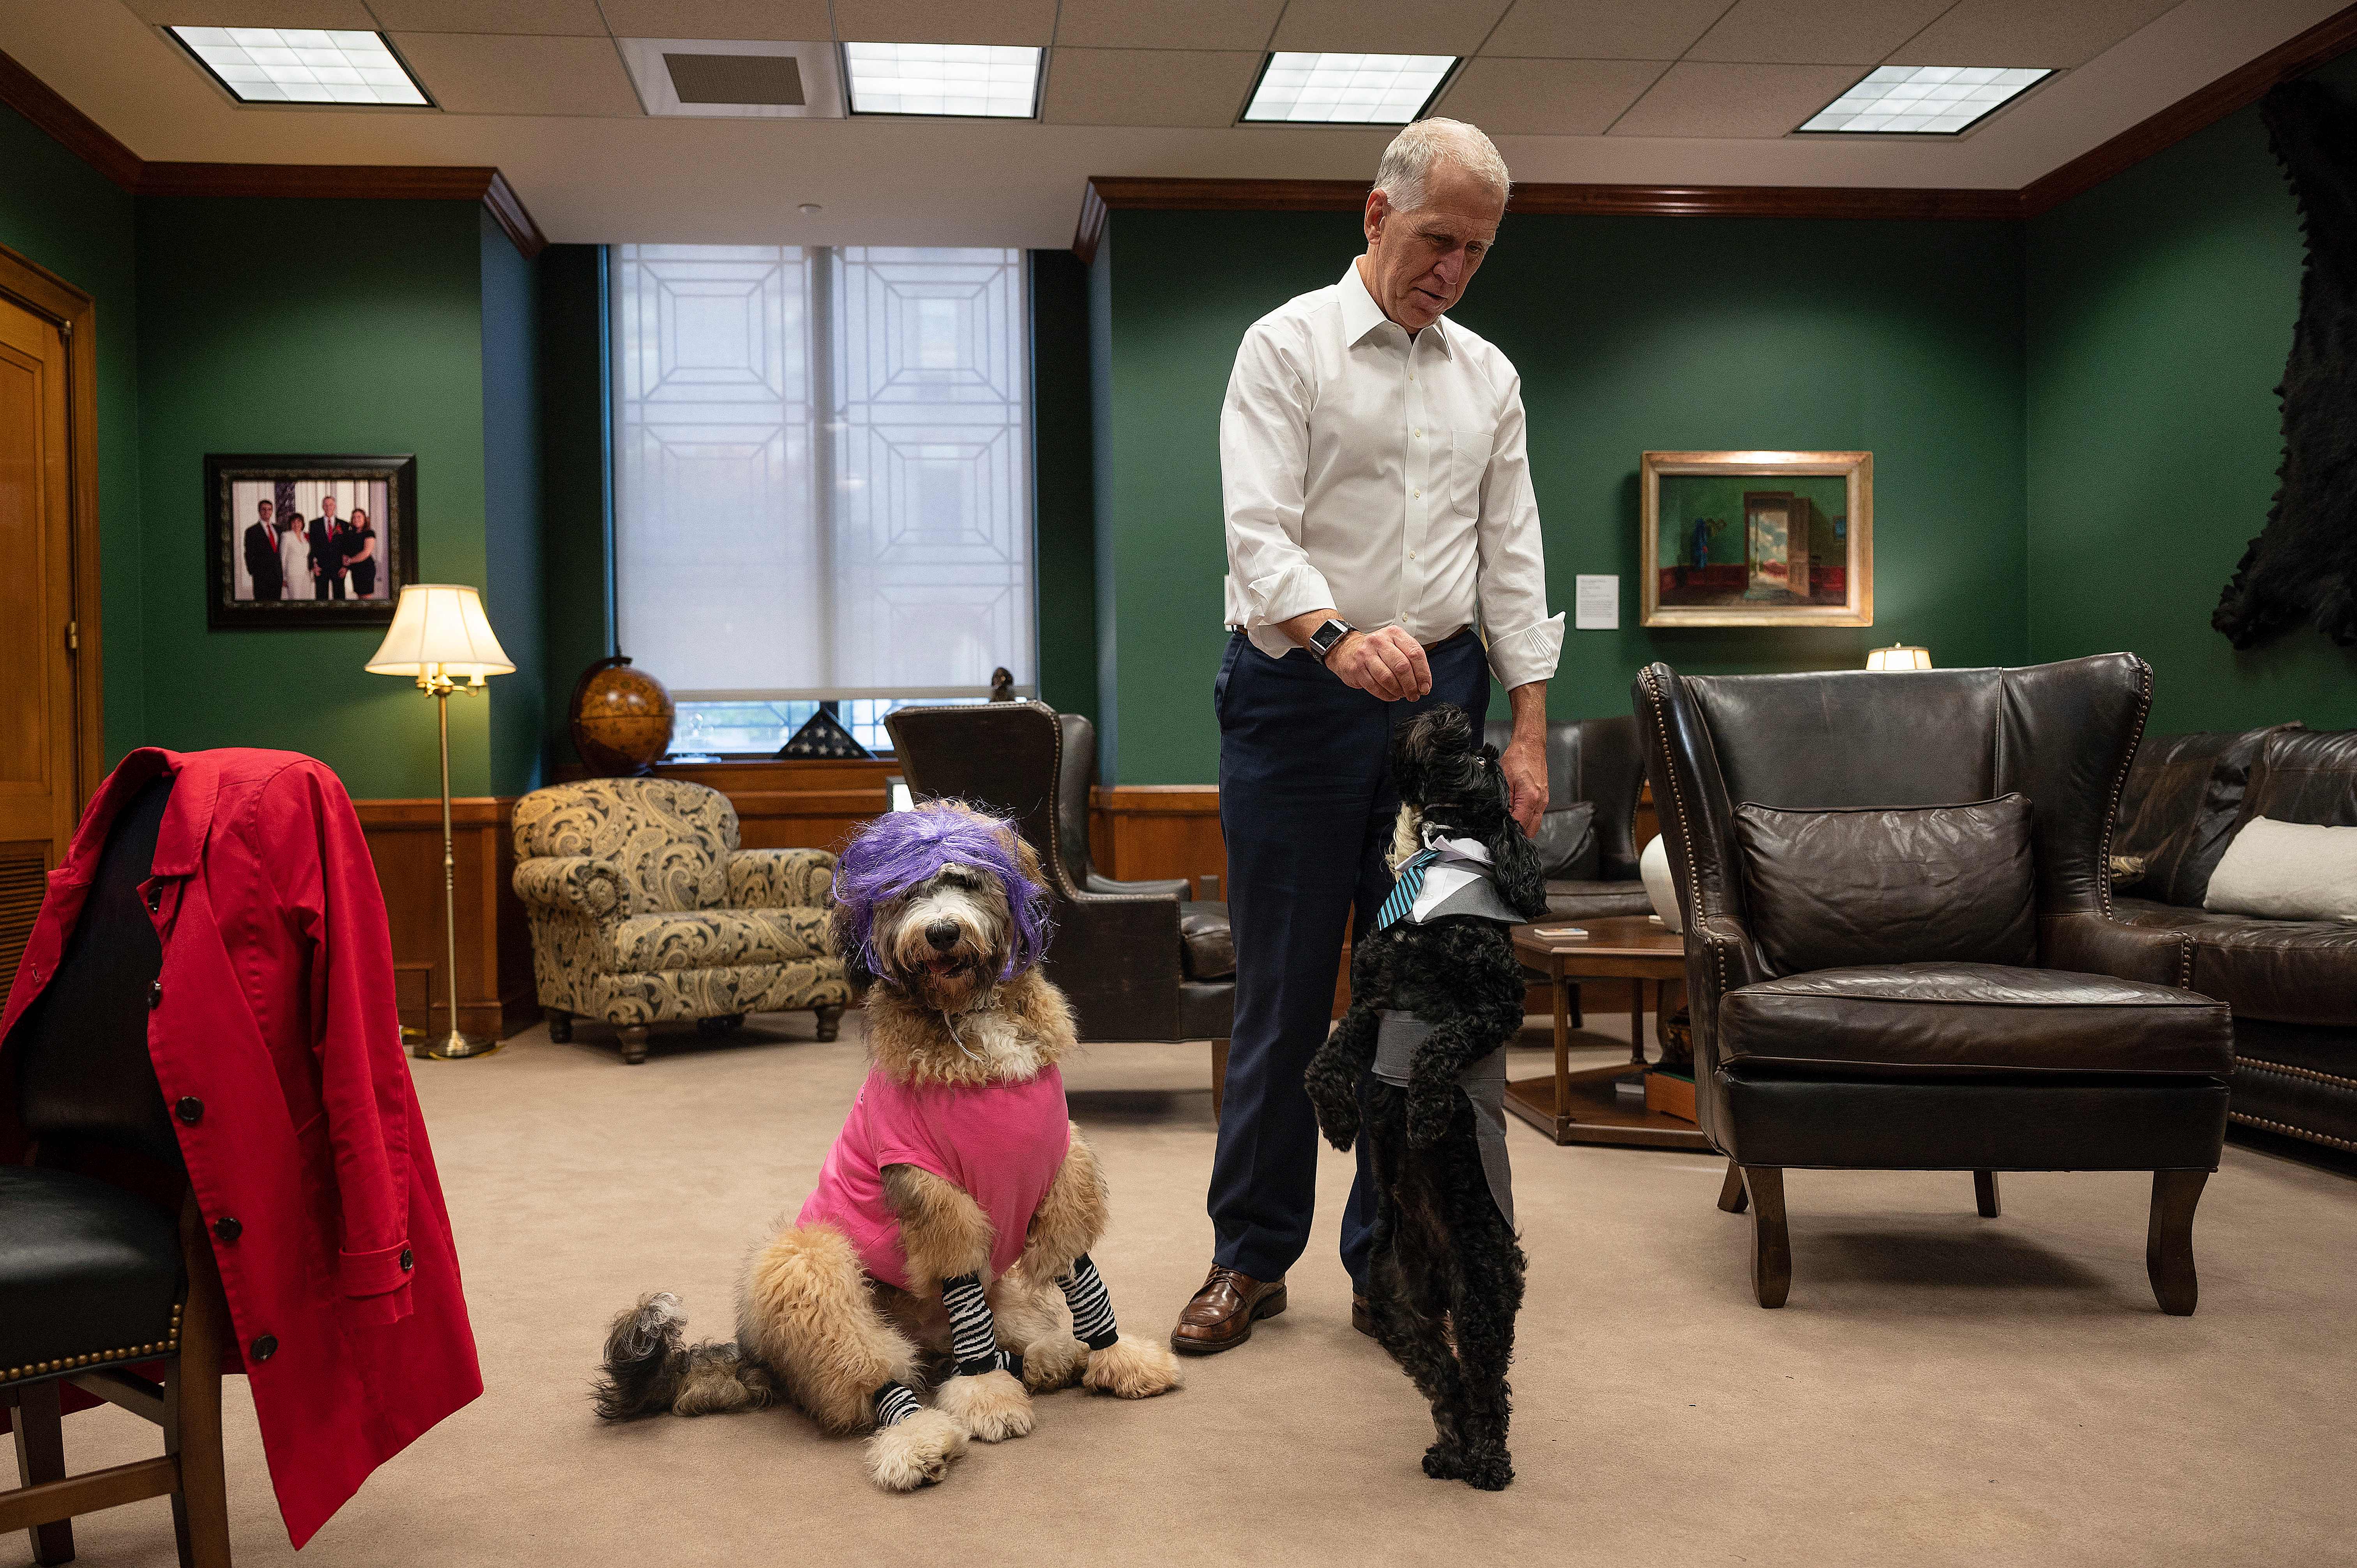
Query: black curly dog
point(1445, 1267)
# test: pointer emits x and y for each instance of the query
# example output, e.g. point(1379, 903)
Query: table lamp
point(1899, 656)
point(440, 637)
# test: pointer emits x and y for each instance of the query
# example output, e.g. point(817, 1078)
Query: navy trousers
point(1307, 804)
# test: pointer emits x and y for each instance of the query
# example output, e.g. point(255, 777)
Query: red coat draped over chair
point(277, 1046)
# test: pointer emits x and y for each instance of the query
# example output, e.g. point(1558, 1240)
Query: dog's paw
point(1133, 1369)
point(992, 1406)
point(1340, 1122)
point(1444, 1462)
point(1428, 1115)
point(914, 1452)
point(1489, 1468)
point(1053, 1363)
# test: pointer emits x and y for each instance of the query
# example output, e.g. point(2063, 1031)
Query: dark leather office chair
point(95, 1276)
point(2080, 1049)
point(1140, 960)
point(1601, 761)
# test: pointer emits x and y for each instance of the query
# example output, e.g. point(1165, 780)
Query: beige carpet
point(1941, 1388)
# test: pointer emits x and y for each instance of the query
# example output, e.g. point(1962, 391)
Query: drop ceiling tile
point(2027, 32)
point(1547, 97)
point(944, 22)
point(1149, 87)
point(1602, 29)
point(576, 17)
point(488, 73)
point(1816, 32)
point(1169, 25)
point(1699, 99)
point(790, 21)
point(1388, 26)
point(349, 15)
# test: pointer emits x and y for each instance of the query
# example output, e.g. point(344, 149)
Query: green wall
point(513, 568)
point(1904, 340)
point(316, 325)
point(61, 214)
point(577, 479)
point(1062, 469)
point(2159, 312)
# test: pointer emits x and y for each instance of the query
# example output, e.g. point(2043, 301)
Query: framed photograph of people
point(297, 541)
point(1757, 538)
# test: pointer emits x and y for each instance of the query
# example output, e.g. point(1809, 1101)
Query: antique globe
point(621, 719)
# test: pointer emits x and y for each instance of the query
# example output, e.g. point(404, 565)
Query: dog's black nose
point(943, 934)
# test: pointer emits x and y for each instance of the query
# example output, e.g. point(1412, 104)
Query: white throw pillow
point(2288, 871)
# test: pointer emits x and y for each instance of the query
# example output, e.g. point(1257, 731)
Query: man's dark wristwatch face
point(1323, 640)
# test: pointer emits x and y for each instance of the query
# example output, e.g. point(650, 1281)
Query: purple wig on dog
point(901, 849)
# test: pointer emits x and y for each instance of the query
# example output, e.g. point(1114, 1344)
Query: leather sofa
point(2291, 983)
point(2066, 1040)
point(1600, 760)
point(1138, 960)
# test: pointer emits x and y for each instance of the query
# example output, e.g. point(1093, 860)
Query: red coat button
point(265, 1347)
point(190, 1109)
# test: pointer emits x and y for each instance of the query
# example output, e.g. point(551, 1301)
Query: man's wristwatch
point(1324, 640)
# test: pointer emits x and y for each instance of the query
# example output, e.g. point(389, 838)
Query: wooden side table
point(1581, 1107)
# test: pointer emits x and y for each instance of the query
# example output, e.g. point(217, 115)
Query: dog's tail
point(650, 1368)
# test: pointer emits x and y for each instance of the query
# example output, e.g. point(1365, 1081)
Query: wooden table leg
point(1562, 1048)
point(1637, 1020)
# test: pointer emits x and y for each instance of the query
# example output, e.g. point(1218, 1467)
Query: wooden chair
point(95, 1277)
point(186, 1404)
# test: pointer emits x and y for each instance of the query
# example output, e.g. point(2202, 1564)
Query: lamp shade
point(1897, 656)
point(440, 628)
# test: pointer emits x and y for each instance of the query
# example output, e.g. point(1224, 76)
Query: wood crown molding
point(84, 137)
point(2238, 88)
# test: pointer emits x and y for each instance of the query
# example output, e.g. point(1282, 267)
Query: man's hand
point(1386, 662)
point(1523, 761)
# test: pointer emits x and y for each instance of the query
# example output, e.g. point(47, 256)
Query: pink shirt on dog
point(1001, 1145)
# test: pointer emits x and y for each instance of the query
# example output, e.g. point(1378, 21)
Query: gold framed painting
point(1757, 538)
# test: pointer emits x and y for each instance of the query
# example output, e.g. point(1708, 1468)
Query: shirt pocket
point(1468, 465)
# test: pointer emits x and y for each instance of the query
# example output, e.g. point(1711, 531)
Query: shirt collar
point(1361, 315)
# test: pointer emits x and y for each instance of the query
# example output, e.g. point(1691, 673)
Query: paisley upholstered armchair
point(644, 910)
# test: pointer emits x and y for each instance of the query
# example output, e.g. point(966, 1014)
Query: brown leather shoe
point(1362, 1316)
point(1221, 1314)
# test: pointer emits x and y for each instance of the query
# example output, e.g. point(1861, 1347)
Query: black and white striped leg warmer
point(1084, 1293)
point(974, 1333)
point(894, 1404)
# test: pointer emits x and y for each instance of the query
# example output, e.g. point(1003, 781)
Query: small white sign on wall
point(1596, 604)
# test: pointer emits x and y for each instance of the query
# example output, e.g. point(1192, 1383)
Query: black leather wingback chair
point(1138, 960)
point(94, 1276)
point(2090, 1056)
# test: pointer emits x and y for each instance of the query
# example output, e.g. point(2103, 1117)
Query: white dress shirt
point(1385, 476)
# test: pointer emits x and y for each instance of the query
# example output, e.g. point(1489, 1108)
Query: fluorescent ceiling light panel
point(302, 65)
point(1341, 89)
point(1923, 99)
point(984, 80)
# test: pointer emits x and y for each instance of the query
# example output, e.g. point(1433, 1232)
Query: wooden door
point(40, 750)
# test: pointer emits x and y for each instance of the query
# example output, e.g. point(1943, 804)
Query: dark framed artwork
point(308, 541)
point(1757, 538)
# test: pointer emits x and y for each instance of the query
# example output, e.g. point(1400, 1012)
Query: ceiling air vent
point(728, 79)
point(736, 79)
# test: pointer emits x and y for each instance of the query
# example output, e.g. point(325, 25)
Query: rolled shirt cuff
point(374, 1273)
point(1281, 595)
point(1528, 653)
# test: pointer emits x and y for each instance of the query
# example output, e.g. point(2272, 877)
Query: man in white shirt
point(1384, 555)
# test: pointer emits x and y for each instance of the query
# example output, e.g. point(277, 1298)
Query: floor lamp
point(440, 638)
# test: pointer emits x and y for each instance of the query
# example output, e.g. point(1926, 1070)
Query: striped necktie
point(1411, 882)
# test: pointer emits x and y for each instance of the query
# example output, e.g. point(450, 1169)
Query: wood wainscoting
point(785, 803)
point(1141, 833)
point(496, 997)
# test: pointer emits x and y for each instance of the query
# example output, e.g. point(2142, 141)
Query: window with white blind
point(823, 482)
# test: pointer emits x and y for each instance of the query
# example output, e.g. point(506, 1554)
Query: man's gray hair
point(1407, 163)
